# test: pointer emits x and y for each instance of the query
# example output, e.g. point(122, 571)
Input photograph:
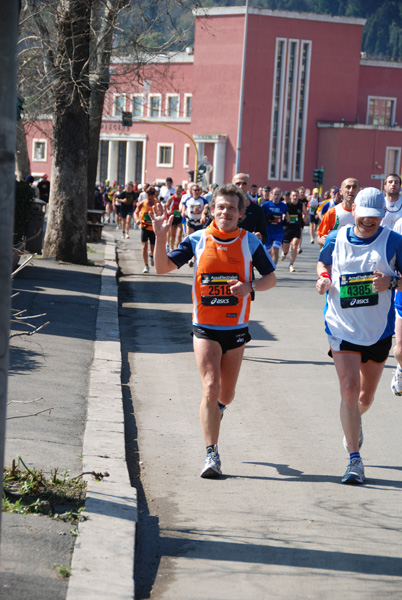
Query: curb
point(103, 558)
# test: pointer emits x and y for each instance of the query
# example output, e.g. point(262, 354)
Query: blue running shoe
point(355, 472)
point(212, 467)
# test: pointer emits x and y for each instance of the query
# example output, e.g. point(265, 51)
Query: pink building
point(271, 93)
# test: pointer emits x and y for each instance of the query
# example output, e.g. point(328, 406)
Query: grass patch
point(29, 491)
point(63, 571)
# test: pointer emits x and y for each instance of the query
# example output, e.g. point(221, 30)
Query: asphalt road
point(279, 524)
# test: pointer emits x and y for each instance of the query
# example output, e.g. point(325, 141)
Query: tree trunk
point(95, 123)
point(100, 54)
point(66, 232)
point(23, 166)
point(8, 105)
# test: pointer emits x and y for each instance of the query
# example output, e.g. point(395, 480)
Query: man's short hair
point(228, 190)
point(394, 175)
point(169, 180)
point(240, 176)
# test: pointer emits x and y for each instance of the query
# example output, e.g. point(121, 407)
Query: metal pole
point(241, 101)
point(9, 10)
point(140, 120)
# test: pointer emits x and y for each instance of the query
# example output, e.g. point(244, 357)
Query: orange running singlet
point(217, 263)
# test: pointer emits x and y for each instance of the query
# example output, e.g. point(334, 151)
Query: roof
point(283, 14)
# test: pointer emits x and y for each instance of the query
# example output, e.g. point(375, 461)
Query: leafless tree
point(66, 49)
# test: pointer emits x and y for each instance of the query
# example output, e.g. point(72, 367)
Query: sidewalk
point(73, 368)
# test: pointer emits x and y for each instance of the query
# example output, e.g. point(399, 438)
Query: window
point(381, 111)
point(279, 77)
point(137, 105)
point(188, 101)
point(39, 150)
point(304, 80)
point(119, 104)
point(154, 108)
point(392, 160)
point(291, 86)
point(172, 105)
point(289, 109)
point(165, 155)
point(186, 159)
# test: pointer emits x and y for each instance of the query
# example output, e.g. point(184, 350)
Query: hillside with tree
point(382, 34)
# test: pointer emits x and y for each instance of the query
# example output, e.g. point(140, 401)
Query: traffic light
point(201, 170)
point(318, 175)
point(191, 174)
point(126, 119)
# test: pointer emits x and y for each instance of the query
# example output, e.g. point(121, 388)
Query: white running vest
point(355, 312)
point(343, 217)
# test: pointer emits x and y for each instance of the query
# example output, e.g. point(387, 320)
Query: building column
point(131, 159)
point(113, 160)
point(218, 174)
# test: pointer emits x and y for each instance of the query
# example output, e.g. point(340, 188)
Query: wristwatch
point(394, 283)
point(253, 286)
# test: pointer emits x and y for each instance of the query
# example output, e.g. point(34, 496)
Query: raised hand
point(161, 223)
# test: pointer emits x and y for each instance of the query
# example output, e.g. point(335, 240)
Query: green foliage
point(382, 34)
point(63, 570)
point(24, 195)
point(29, 491)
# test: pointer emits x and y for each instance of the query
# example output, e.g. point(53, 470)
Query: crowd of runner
point(229, 232)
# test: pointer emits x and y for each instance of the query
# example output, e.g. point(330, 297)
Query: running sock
point(211, 449)
point(353, 455)
point(221, 406)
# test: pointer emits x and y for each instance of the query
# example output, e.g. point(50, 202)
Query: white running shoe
point(146, 269)
point(212, 467)
point(354, 472)
point(396, 383)
point(283, 256)
point(127, 236)
point(292, 269)
point(361, 438)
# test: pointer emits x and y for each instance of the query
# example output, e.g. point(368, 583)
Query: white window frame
point(387, 168)
point(290, 123)
point(186, 156)
point(185, 111)
point(303, 43)
point(39, 141)
point(381, 98)
point(141, 96)
point(150, 96)
point(115, 113)
point(278, 145)
point(165, 145)
point(168, 96)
